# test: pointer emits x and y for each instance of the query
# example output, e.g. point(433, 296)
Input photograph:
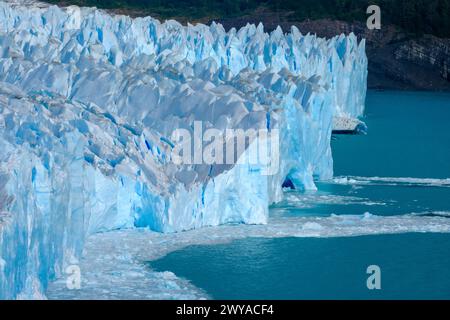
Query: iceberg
point(89, 102)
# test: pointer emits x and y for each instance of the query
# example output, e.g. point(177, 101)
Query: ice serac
point(88, 105)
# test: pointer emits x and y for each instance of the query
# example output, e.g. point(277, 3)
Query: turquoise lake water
point(413, 266)
point(408, 138)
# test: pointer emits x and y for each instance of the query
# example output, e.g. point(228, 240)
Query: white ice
point(88, 102)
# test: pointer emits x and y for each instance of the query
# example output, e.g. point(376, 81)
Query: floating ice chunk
point(345, 125)
point(312, 226)
point(356, 180)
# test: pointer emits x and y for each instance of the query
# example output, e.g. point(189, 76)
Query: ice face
point(88, 106)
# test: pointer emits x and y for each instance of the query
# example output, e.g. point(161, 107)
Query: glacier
point(88, 103)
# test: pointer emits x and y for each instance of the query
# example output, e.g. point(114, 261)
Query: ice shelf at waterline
point(88, 103)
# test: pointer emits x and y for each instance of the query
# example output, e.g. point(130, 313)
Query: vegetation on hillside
point(414, 16)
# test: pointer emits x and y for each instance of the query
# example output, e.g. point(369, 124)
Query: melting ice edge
point(88, 101)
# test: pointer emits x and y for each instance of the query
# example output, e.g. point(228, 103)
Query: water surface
point(413, 266)
point(408, 137)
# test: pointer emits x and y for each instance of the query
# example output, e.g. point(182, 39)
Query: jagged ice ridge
point(88, 102)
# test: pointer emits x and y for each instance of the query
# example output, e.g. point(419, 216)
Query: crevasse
point(88, 102)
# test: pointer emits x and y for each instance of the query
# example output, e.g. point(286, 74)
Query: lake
point(400, 167)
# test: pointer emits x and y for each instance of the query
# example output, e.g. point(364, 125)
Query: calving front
point(88, 105)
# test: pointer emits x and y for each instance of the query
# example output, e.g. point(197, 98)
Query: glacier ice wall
point(88, 102)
